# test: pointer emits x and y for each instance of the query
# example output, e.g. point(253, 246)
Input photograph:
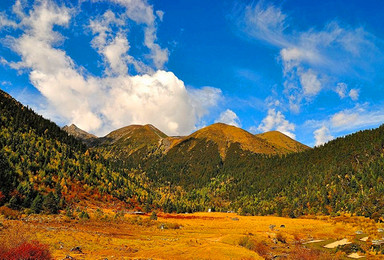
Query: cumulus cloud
point(275, 120)
point(229, 117)
point(356, 117)
point(341, 89)
point(322, 135)
point(308, 56)
point(346, 120)
point(354, 94)
point(310, 83)
point(103, 103)
point(5, 22)
point(203, 99)
point(141, 12)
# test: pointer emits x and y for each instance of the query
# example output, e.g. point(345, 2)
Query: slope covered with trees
point(45, 169)
point(42, 168)
point(345, 175)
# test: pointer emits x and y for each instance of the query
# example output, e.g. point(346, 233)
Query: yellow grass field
point(107, 235)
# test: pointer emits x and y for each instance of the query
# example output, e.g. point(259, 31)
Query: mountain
point(224, 135)
point(283, 142)
point(221, 167)
point(192, 161)
point(131, 144)
point(137, 145)
point(80, 134)
point(128, 140)
point(136, 135)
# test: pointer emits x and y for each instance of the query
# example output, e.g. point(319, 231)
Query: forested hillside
point(43, 169)
point(345, 175)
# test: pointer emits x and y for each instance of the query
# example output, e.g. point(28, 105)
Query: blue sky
point(310, 69)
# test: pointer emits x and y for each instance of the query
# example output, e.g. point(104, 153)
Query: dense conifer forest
point(43, 169)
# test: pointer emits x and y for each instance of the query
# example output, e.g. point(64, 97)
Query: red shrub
point(2, 196)
point(28, 250)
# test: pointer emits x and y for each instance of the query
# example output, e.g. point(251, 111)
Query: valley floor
point(196, 236)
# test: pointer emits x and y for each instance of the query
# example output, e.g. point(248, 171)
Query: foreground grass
point(189, 236)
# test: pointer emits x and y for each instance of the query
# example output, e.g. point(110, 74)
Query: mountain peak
point(224, 135)
point(78, 133)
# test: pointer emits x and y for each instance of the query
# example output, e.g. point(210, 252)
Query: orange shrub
point(9, 213)
point(260, 248)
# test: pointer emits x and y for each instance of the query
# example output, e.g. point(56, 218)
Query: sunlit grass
point(191, 236)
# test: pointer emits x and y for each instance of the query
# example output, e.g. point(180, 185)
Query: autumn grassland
point(192, 236)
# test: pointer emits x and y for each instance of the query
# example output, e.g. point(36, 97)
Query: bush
point(376, 216)
point(351, 248)
point(69, 212)
point(2, 197)
point(84, 215)
point(261, 248)
point(119, 216)
point(310, 254)
point(9, 213)
point(169, 226)
point(281, 238)
point(99, 214)
point(28, 250)
point(153, 216)
point(248, 243)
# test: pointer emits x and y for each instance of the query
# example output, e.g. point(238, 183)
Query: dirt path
point(313, 241)
point(355, 256)
point(338, 243)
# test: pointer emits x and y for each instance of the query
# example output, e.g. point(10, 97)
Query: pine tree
point(37, 204)
point(50, 204)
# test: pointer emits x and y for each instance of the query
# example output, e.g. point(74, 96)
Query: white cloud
point(310, 58)
point(354, 94)
point(141, 12)
point(5, 22)
point(322, 135)
point(275, 120)
point(229, 117)
point(204, 99)
point(350, 119)
point(341, 89)
point(344, 118)
point(103, 103)
point(265, 22)
point(310, 83)
point(160, 14)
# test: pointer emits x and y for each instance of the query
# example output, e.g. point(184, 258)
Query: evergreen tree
point(50, 204)
point(37, 204)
